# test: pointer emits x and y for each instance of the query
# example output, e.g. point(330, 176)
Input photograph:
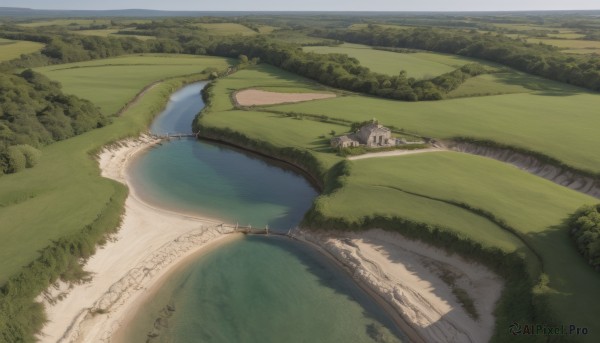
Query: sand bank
point(255, 97)
point(149, 243)
point(409, 276)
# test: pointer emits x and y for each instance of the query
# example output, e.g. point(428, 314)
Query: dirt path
point(395, 153)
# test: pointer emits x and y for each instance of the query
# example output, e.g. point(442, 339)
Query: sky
point(309, 5)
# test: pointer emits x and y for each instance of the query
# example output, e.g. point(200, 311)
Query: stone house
point(371, 135)
point(374, 135)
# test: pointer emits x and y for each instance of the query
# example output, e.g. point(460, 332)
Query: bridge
point(249, 230)
point(170, 135)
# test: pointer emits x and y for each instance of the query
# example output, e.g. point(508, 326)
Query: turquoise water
point(256, 289)
point(205, 178)
point(180, 111)
point(260, 290)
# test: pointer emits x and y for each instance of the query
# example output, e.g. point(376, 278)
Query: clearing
point(11, 49)
point(420, 65)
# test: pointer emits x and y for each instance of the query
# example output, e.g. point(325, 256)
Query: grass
point(385, 26)
point(265, 29)
point(509, 82)
point(420, 65)
point(109, 33)
point(278, 129)
point(545, 116)
point(110, 83)
point(10, 49)
point(428, 188)
point(570, 45)
point(557, 120)
point(263, 77)
point(533, 206)
point(67, 22)
point(296, 37)
point(44, 203)
point(225, 29)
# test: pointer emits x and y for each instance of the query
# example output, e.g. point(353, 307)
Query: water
point(180, 111)
point(256, 289)
point(219, 182)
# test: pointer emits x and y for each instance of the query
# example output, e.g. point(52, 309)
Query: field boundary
point(535, 163)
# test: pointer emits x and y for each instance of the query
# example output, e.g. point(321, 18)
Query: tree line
point(537, 59)
point(335, 70)
point(34, 112)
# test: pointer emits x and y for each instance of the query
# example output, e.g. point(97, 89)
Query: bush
point(585, 230)
point(32, 155)
point(16, 159)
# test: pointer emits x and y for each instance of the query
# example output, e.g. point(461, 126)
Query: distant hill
point(28, 12)
point(36, 13)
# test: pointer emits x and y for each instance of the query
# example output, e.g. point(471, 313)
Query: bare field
point(255, 97)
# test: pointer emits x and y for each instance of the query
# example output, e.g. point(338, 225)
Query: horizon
point(309, 6)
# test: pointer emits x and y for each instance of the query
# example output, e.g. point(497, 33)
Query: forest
point(34, 112)
point(537, 59)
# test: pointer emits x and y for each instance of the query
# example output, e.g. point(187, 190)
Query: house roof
point(345, 138)
point(374, 127)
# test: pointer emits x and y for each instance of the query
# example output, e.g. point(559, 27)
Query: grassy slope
point(279, 130)
point(10, 49)
point(110, 83)
point(560, 122)
point(45, 202)
point(418, 65)
point(534, 206)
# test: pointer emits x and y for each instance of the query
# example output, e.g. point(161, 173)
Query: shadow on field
point(572, 283)
point(539, 85)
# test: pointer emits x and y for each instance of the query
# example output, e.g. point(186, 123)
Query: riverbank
point(149, 243)
point(418, 282)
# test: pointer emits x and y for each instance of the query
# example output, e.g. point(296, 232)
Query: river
point(256, 289)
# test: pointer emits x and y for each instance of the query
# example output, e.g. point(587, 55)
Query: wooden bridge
point(249, 230)
point(170, 135)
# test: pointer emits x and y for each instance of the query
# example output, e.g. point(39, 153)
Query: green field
point(67, 22)
point(560, 122)
point(223, 29)
point(10, 49)
point(385, 26)
point(281, 130)
point(109, 33)
point(534, 206)
point(264, 77)
point(266, 29)
point(508, 82)
point(570, 45)
point(420, 65)
point(47, 199)
point(537, 117)
point(110, 83)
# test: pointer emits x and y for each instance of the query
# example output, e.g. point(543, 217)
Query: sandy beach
point(149, 243)
point(405, 276)
point(409, 276)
